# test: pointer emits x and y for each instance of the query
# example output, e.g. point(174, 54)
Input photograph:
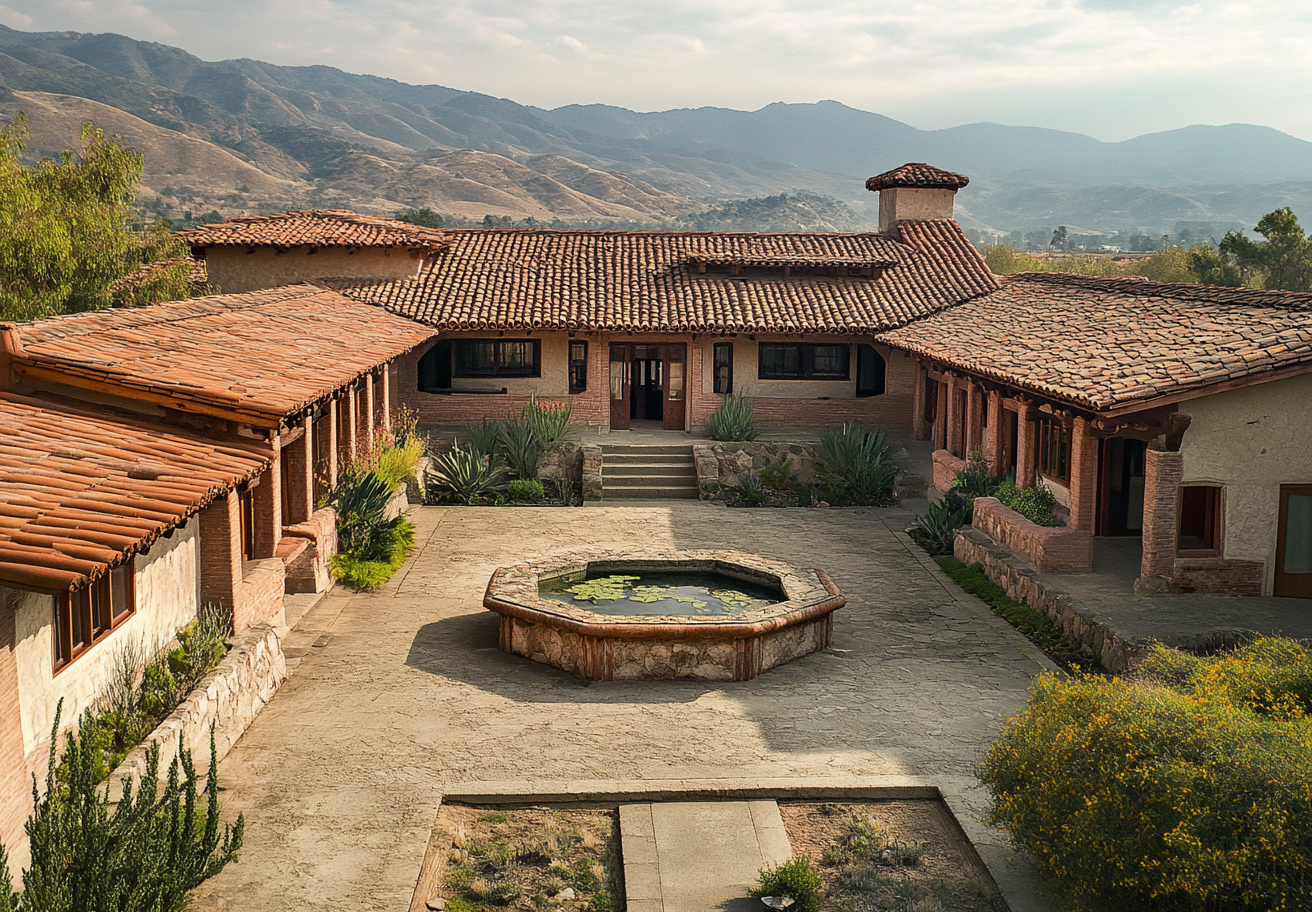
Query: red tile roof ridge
point(917, 175)
point(315, 228)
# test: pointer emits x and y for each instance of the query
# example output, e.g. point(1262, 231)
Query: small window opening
point(723, 368)
point(1200, 519)
point(578, 367)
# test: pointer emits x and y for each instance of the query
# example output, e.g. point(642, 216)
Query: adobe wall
point(779, 403)
point(234, 270)
point(1250, 440)
point(15, 786)
point(168, 596)
point(899, 203)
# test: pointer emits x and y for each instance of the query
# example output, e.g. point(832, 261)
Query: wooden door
point(675, 386)
point(1294, 542)
point(620, 387)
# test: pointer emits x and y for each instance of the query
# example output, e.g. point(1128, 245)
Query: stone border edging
point(229, 697)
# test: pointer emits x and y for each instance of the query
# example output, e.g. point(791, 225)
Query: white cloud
point(1110, 68)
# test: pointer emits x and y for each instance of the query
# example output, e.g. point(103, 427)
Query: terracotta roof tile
point(81, 492)
point(315, 228)
point(917, 174)
point(643, 281)
point(1107, 343)
point(264, 354)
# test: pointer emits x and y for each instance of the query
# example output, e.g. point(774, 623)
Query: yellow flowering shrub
point(1186, 786)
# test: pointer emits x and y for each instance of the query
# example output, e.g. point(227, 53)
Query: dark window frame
point(1054, 462)
point(806, 353)
point(85, 616)
point(578, 367)
point(1212, 525)
point(496, 368)
point(722, 356)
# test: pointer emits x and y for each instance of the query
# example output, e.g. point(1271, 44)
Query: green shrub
point(363, 529)
point(483, 436)
point(148, 851)
point(733, 420)
point(778, 474)
point(549, 421)
point(749, 492)
point(465, 475)
point(363, 573)
point(855, 465)
point(974, 480)
point(566, 488)
point(1186, 787)
point(396, 465)
point(520, 447)
point(936, 531)
point(525, 490)
point(797, 879)
point(1035, 502)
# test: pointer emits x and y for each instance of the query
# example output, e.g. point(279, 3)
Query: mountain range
point(243, 136)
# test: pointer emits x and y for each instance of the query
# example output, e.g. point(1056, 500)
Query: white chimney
point(915, 191)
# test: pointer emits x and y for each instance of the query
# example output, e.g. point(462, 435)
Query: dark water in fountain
point(669, 592)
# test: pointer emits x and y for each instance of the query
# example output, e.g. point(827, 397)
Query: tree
point(147, 852)
point(1059, 238)
point(66, 238)
point(1213, 268)
point(425, 217)
point(1283, 259)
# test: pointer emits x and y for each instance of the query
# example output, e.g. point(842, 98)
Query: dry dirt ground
point(402, 696)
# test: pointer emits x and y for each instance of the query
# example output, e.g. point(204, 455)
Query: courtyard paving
point(401, 696)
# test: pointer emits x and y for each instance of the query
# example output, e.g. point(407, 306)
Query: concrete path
point(695, 856)
point(402, 696)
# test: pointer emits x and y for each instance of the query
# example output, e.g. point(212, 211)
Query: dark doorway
point(1294, 543)
point(1011, 434)
point(646, 403)
point(647, 384)
point(1121, 481)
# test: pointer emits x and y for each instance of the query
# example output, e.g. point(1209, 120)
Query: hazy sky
point(1109, 68)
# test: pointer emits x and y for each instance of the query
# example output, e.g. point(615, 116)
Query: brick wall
point(1218, 576)
point(220, 551)
point(1061, 548)
point(1163, 472)
point(15, 787)
point(258, 598)
point(946, 467)
point(308, 571)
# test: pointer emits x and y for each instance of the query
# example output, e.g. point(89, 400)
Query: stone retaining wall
point(1096, 639)
point(590, 472)
point(228, 698)
point(561, 462)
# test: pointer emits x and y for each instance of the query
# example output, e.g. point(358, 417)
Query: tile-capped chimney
point(915, 191)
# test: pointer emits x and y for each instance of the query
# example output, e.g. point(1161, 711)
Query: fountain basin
point(589, 641)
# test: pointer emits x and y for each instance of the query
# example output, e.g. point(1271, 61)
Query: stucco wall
point(234, 270)
point(168, 596)
point(1251, 440)
point(910, 203)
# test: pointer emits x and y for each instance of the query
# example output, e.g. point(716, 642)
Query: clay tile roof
point(81, 492)
point(917, 174)
point(261, 356)
point(645, 281)
point(315, 228)
point(1112, 344)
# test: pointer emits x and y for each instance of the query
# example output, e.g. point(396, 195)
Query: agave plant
point(549, 421)
point(733, 420)
point(855, 463)
point(936, 531)
point(363, 529)
point(483, 435)
point(521, 448)
point(465, 474)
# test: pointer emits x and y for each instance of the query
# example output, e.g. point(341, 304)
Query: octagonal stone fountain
point(699, 615)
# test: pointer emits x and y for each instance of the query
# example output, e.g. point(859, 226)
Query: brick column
point(995, 444)
point(386, 377)
point(268, 507)
point(952, 431)
point(333, 434)
point(919, 426)
point(941, 416)
point(220, 551)
point(974, 433)
point(15, 787)
point(1163, 473)
point(1026, 451)
point(1084, 477)
point(349, 424)
point(300, 465)
point(366, 414)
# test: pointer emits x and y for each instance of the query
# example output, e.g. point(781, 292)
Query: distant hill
point(247, 136)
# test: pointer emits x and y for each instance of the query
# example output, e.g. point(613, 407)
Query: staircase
point(652, 472)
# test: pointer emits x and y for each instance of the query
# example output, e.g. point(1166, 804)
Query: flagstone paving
point(402, 695)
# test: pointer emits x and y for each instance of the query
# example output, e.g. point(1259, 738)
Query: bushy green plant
point(484, 436)
point(974, 480)
point(361, 573)
point(465, 475)
point(778, 474)
point(855, 465)
point(525, 490)
point(936, 531)
point(566, 488)
point(733, 420)
point(1185, 787)
point(749, 492)
point(363, 529)
point(148, 851)
point(548, 419)
point(797, 879)
point(520, 447)
point(1035, 502)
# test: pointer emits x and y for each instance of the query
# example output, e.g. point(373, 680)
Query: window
point(498, 358)
point(802, 361)
point(870, 369)
point(1054, 450)
point(86, 616)
point(246, 509)
point(578, 367)
point(1200, 519)
point(435, 367)
point(722, 367)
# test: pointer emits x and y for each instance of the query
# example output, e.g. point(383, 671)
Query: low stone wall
point(590, 472)
point(228, 699)
point(946, 467)
point(1046, 547)
point(399, 503)
point(735, 458)
point(416, 487)
point(257, 599)
point(562, 462)
point(1096, 639)
point(307, 570)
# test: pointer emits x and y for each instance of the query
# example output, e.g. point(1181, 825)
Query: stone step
point(665, 470)
point(642, 492)
point(608, 449)
point(646, 459)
